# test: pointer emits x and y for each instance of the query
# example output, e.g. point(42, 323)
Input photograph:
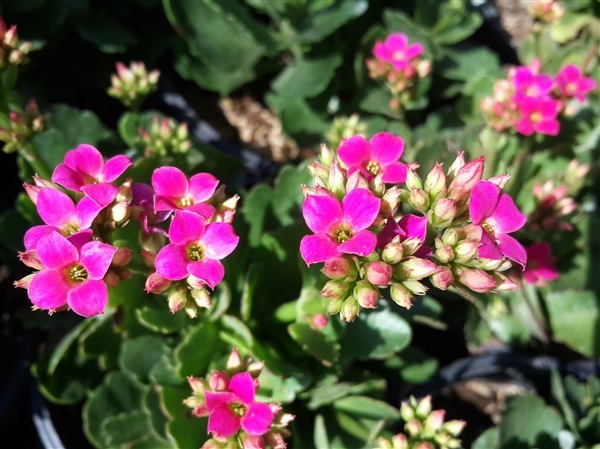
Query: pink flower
point(378, 155)
point(196, 249)
point(571, 83)
point(409, 226)
point(84, 170)
point(396, 51)
point(71, 275)
point(60, 214)
point(174, 192)
point(540, 267)
point(143, 197)
point(234, 408)
point(538, 115)
point(496, 213)
point(339, 228)
point(529, 83)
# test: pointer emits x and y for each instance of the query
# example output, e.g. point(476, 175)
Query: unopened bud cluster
point(547, 11)
point(131, 85)
point(12, 52)
point(343, 128)
point(165, 137)
point(235, 419)
point(424, 428)
point(21, 128)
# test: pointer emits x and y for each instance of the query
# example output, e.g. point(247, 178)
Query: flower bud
point(156, 284)
point(213, 444)
point(424, 407)
point(177, 299)
point(443, 213)
point(335, 290)
point(31, 259)
point(334, 307)
point(252, 441)
point(319, 172)
point(401, 295)
point(337, 179)
point(24, 282)
point(415, 268)
point(275, 440)
point(457, 164)
point(122, 257)
point(197, 384)
point(326, 155)
point(476, 279)
point(350, 309)
point(504, 283)
point(357, 181)
point(201, 297)
point(450, 237)
point(382, 443)
point(435, 420)
point(407, 411)
point(392, 252)
point(219, 380)
point(424, 445)
point(411, 245)
point(419, 200)
point(379, 273)
point(466, 177)
point(466, 250)
point(443, 279)
point(366, 294)
point(413, 181)
point(415, 287)
point(444, 253)
point(413, 427)
point(500, 180)
point(255, 368)
point(235, 363)
point(435, 183)
point(339, 268)
point(399, 441)
point(319, 321)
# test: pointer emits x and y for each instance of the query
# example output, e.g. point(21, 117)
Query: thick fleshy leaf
point(48, 289)
point(35, 233)
point(203, 186)
point(318, 248)
point(209, 270)
point(171, 262)
point(354, 151)
point(507, 217)
point(86, 160)
point(386, 148)
point(219, 240)
point(68, 177)
point(88, 298)
point(86, 211)
point(55, 251)
point(223, 422)
point(114, 167)
point(170, 182)
point(511, 248)
point(360, 208)
point(321, 213)
point(484, 198)
point(186, 227)
point(258, 419)
point(96, 257)
point(394, 173)
point(55, 207)
point(242, 386)
point(218, 399)
point(362, 243)
point(103, 193)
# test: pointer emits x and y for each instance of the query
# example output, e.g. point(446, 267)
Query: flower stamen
point(77, 274)
point(373, 167)
point(195, 253)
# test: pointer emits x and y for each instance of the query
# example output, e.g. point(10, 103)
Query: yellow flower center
point(238, 409)
point(571, 88)
point(399, 55)
point(342, 234)
point(489, 228)
point(77, 274)
point(536, 117)
point(185, 201)
point(373, 167)
point(195, 253)
point(71, 229)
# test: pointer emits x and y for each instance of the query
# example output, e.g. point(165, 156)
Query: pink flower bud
point(415, 287)
point(197, 384)
point(393, 251)
point(31, 259)
point(252, 442)
point(435, 183)
point(435, 420)
point(424, 407)
point(413, 427)
point(275, 440)
point(454, 427)
point(413, 181)
point(24, 282)
point(122, 257)
point(334, 306)
point(415, 268)
point(319, 321)
point(466, 250)
point(156, 284)
point(201, 297)
point(443, 213)
point(457, 164)
point(379, 273)
point(177, 299)
point(356, 181)
point(32, 192)
point(466, 177)
point(401, 295)
point(337, 179)
point(399, 441)
point(350, 309)
point(476, 279)
point(335, 290)
point(419, 200)
point(443, 279)
point(219, 380)
point(366, 294)
point(235, 363)
point(443, 253)
point(338, 268)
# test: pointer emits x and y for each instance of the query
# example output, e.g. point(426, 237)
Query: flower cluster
point(424, 428)
point(83, 205)
point(399, 65)
point(165, 137)
point(22, 127)
point(547, 11)
point(235, 418)
point(11, 51)
point(458, 236)
point(531, 102)
point(131, 85)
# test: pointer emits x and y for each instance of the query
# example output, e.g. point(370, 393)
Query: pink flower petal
point(223, 422)
point(484, 198)
point(318, 248)
point(242, 386)
point(96, 258)
point(80, 238)
point(381, 52)
point(511, 248)
point(354, 151)
point(203, 186)
point(209, 270)
point(86, 212)
point(362, 243)
point(164, 203)
point(55, 251)
point(49, 289)
point(86, 160)
point(34, 234)
point(488, 249)
point(386, 148)
point(525, 126)
point(171, 262)
point(103, 194)
point(414, 51)
point(394, 173)
point(218, 399)
point(114, 167)
point(389, 231)
point(360, 208)
point(170, 182)
point(258, 419)
point(186, 227)
point(220, 240)
point(396, 42)
point(321, 213)
point(206, 211)
point(507, 217)
point(550, 127)
point(414, 226)
point(55, 207)
point(68, 178)
point(88, 298)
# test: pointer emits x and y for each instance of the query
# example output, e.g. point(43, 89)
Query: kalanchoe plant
point(131, 85)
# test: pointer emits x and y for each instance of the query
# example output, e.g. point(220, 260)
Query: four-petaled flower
point(60, 214)
point(540, 267)
point(396, 51)
point(378, 155)
point(71, 275)
point(571, 83)
point(496, 213)
point(538, 115)
point(339, 228)
point(236, 408)
point(84, 170)
point(408, 227)
point(174, 192)
point(196, 249)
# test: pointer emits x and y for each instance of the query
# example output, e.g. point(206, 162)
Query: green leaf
point(108, 35)
point(315, 342)
point(161, 320)
point(464, 62)
point(376, 334)
point(489, 439)
point(140, 355)
point(414, 365)
point(568, 26)
point(366, 407)
point(574, 317)
point(126, 428)
point(256, 212)
point(528, 422)
point(198, 347)
point(320, 438)
point(455, 26)
point(187, 431)
point(319, 25)
point(306, 78)
point(287, 196)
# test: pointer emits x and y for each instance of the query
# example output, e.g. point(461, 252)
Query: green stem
point(520, 168)
point(529, 294)
point(29, 153)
